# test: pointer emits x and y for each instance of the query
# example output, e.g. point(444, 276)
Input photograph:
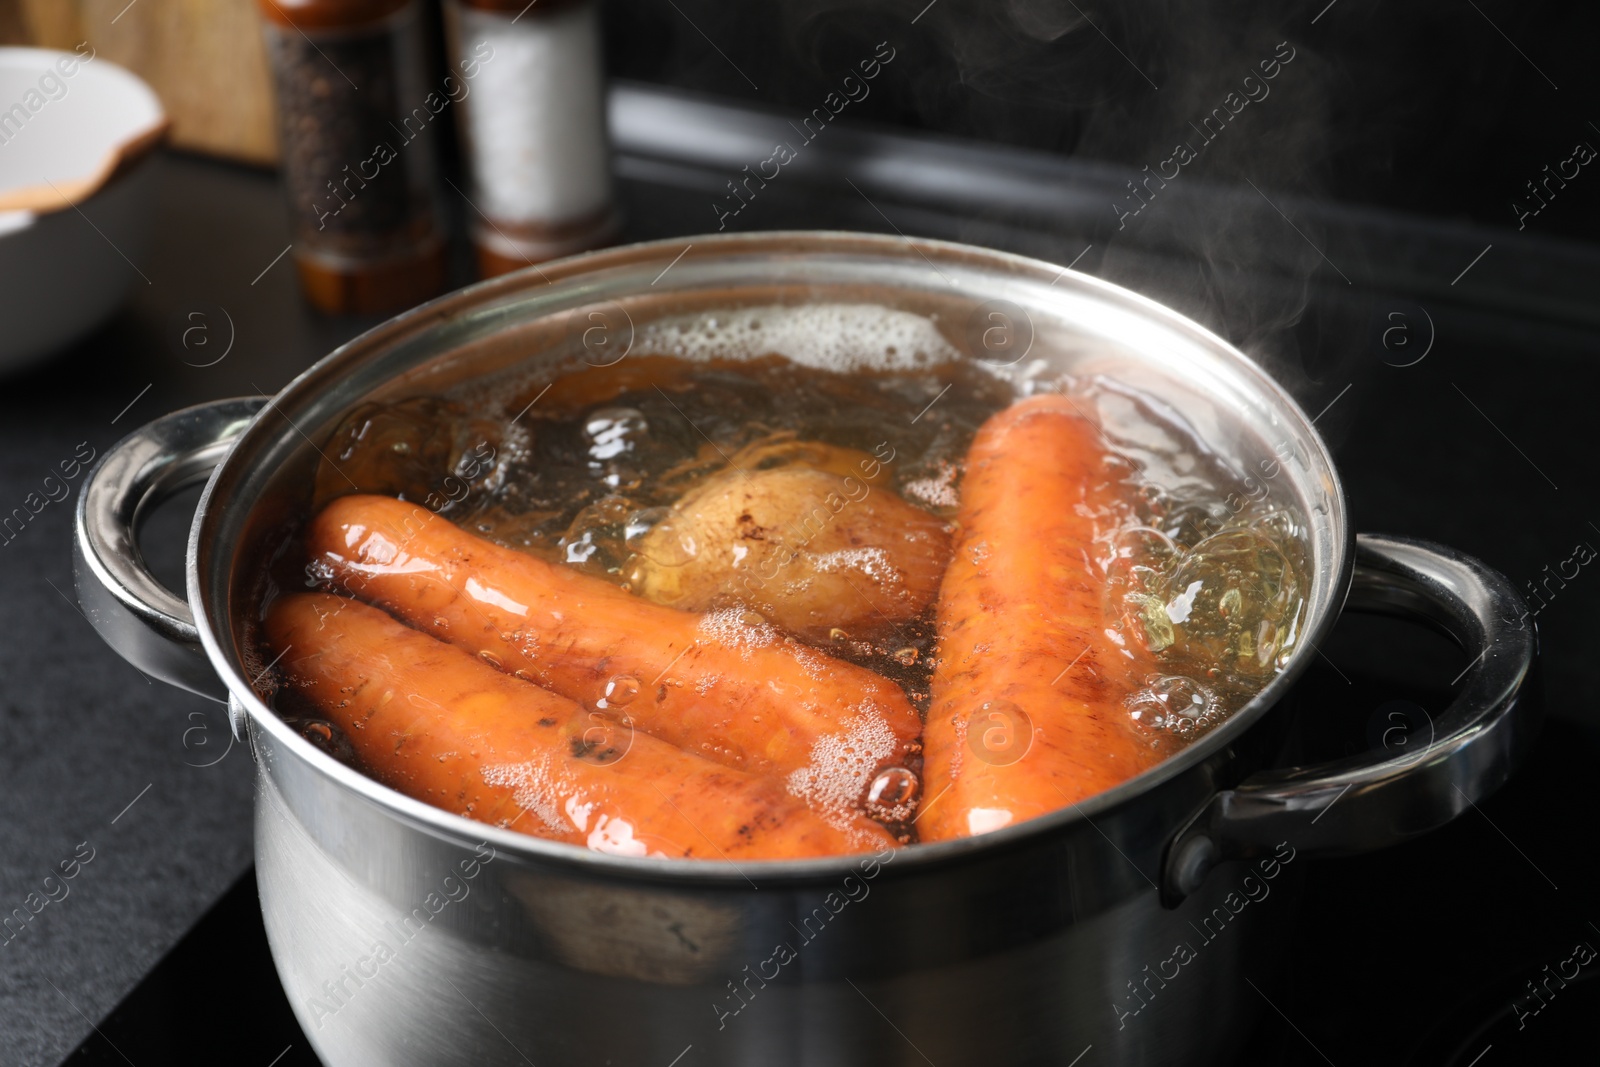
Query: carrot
point(1026, 714)
point(733, 691)
point(441, 726)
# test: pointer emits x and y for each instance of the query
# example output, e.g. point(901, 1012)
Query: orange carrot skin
point(439, 725)
point(1026, 714)
point(747, 697)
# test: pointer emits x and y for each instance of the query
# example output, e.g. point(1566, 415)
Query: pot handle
point(147, 624)
point(1476, 742)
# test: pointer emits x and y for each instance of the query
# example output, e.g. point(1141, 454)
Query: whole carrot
point(719, 685)
point(1026, 714)
point(439, 725)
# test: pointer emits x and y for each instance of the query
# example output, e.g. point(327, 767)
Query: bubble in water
point(1190, 522)
point(891, 794)
point(318, 731)
point(1280, 527)
point(490, 658)
point(594, 540)
point(1153, 621)
point(1235, 599)
point(620, 690)
point(1173, 703)
point(737, 628)
point(623, 478)
point(842, 766)
point(427, 450)
point(613, 431)
point(319, 573)
point(674, 548)
point(580, 550)
point(832, 336)
point(906, 657)
point(641, 523)
point(1141, 557)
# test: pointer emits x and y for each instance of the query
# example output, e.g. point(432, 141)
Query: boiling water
point(578, 469)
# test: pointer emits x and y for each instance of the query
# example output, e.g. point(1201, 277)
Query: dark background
point(1424, 106)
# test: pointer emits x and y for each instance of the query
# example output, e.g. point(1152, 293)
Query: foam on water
point(835, 337)
point(531, 789)
point(738, 628)
point(843, 764)
point(937, 492)
point(816, 666)
point(872, 562)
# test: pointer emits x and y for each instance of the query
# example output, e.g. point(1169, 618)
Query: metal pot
point(407, 935)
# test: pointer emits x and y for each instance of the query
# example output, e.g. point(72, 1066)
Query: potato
point(808, 545)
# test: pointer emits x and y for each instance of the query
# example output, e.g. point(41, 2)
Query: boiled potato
point(812, 544)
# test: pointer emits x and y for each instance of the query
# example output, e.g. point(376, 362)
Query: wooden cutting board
point(204, 58)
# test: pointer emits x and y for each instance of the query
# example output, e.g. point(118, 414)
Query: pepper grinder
point(533, 128)
point(358, 151)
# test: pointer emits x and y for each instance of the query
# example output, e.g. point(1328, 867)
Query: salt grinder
point(533, 128)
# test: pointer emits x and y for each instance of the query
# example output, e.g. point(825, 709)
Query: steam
point(1127, 83)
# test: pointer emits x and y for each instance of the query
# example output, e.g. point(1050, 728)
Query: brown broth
point(577, 470)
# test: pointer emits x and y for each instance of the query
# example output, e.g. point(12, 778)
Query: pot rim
point(795, 244)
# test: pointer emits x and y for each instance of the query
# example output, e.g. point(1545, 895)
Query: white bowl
point(74, 132)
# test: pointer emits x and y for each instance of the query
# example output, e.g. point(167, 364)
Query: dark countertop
point(1470, 447)
point(82, 734)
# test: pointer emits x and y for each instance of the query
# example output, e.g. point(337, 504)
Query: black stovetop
point(1413, 955)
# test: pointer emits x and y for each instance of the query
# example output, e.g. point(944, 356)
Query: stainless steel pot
point(1122, 928)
